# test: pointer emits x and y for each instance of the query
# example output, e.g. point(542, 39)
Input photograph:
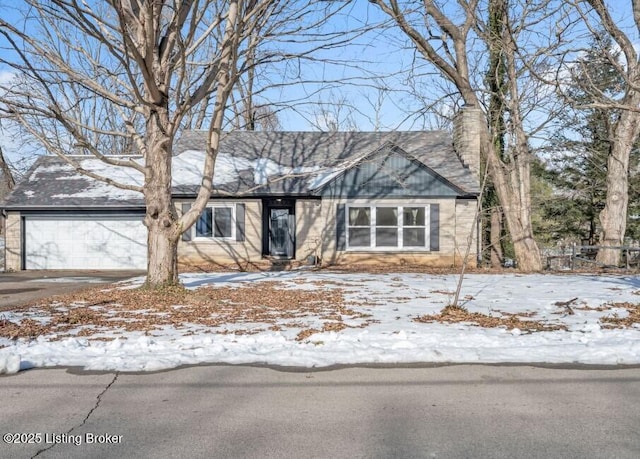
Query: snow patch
point(392, 302)
point(9, 363)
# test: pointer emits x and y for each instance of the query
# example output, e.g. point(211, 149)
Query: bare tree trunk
point(518, 168)
point(160, 218)
point(163, 257)
point(495, 237)
point(7, 183)
point(496, 81)
point(512, 184)
point(613, 217)
point(7, 175)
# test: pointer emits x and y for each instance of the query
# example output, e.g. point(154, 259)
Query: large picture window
point(385, 227)
point(216, 222)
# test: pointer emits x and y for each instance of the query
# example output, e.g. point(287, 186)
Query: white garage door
point(85, 243)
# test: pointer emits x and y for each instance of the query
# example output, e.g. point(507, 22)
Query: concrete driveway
point(24, 287)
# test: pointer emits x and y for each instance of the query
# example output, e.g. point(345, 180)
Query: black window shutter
point(186, 236)
point(341, 231)
point(434, 227)
point(240, 222)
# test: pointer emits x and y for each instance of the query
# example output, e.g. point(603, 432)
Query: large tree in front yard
point(124, 76)
point(582, 146)
point(455, 38)
point(625, 129)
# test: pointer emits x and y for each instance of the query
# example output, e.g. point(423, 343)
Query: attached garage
point(84, 242)
point(347, 197)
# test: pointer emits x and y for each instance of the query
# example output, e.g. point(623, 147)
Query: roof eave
point(25, 207)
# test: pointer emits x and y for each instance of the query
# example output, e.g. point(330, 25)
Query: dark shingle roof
point(249, 163)
point(330, 150)
point(52, 182)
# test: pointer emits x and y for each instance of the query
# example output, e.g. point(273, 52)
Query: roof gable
point(388, 173)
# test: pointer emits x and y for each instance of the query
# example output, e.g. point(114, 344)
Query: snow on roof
point(265, 169)
point(326, 175)
point(92, 188)
point(322, 178)
point(258, 163)
point(187, 169)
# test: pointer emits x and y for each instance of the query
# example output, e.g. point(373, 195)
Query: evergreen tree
point(577, 169)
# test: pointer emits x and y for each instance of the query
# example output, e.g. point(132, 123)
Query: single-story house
point(321, 197)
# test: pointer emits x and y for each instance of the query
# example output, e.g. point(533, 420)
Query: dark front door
point(281, 232)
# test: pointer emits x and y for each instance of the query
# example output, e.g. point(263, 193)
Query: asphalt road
point(473, 411)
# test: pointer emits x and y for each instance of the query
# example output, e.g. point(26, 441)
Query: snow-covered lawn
point(315, 319)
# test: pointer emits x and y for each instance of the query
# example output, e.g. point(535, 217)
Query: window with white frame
point(359, 227)
point(414, 227)
point(216, 222)
point(387, 227)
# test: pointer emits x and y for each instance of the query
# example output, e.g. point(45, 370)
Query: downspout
point(478, 230)
point(23, 241)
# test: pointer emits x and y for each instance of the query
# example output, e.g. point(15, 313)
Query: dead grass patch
point(457, 314)
point(443, 292)
point(623, 322)
point(330, 327)
point(98, 311)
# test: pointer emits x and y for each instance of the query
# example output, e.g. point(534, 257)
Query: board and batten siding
point(388, 174)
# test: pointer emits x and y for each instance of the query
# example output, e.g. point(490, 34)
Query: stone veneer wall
point(13, 242)
point(468, 127)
